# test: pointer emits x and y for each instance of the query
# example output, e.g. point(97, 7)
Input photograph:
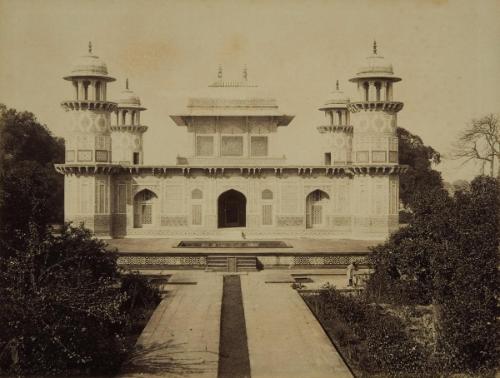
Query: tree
point(466, 280)
point(420, 177)
point(448, 256)
point(66, 308)
point(480, 141)
point(403, 264)
point(31, 191)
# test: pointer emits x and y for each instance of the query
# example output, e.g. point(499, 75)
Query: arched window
point(366, 87)
point(267, 194)
point(124, 114)
point(267, 208)
point(144, 208)
point(196, 194)
point(317, 203)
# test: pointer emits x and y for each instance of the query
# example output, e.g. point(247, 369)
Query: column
point(81, 90)
point(75, 85)
point(103, 89)
point(92, 92)
point(371, 91)
point(383, 91)
point(361, 94)
point(335, 118)
point(389, 91)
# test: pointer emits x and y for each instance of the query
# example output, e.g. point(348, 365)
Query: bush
point(375, 342)
point(448, 256)
point(466, 280)
point(64, 308)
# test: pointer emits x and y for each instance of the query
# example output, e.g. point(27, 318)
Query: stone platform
point(300, 253)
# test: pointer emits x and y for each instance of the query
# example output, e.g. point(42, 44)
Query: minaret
point(337, 132)
point(375, 148)
point(374, 113)
point(127, 130)
point(88, 145)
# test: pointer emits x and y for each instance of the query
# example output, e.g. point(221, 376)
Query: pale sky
point(446, 52)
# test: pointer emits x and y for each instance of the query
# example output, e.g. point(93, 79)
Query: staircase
point(217, 263)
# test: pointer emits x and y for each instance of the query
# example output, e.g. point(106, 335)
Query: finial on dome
point(90, 47)
point(126, 83)
point(375, 47)
point(219, 74)
point(337, 85)
point(245, 72)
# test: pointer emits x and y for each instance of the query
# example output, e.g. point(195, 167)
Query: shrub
point(140, 292)
point(376, 342)
point(448, 256)
point(466, 280)
point(63, 308)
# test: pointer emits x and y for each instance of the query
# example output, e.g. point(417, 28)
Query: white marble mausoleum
point(232, 180)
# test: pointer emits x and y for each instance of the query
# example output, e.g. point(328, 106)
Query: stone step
point(221, 263)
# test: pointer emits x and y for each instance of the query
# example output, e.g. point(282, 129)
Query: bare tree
point(480, 141)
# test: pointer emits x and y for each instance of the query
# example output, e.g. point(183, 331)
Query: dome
point(128, 98)
point(89, 65)
point(376, 66)
point(337, 99)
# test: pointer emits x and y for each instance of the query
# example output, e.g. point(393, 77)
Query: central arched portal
point(232, 209)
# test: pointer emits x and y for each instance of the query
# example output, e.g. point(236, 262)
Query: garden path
point(284, 338)
point(182, 337)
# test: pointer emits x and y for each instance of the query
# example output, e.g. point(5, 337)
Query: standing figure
point(350, 273)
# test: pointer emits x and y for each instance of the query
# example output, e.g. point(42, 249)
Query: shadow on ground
point(168, 358)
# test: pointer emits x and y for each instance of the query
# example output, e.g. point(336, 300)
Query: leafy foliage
point(374, 341)
point(31, 191)
point(64, 306)
point(448, 256)
point(420, 177)
point(466, 279)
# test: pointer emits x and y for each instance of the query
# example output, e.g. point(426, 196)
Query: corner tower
point(375, 148)
point(127, 130)
point(338, 130)
point(374, 113)
point(88, 145)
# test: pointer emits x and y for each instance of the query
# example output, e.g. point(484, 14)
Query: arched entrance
point(144, 208)
point(232, 206)
point(316, 205)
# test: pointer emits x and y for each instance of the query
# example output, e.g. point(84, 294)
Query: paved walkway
point(182, 337)
point(284, 338)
